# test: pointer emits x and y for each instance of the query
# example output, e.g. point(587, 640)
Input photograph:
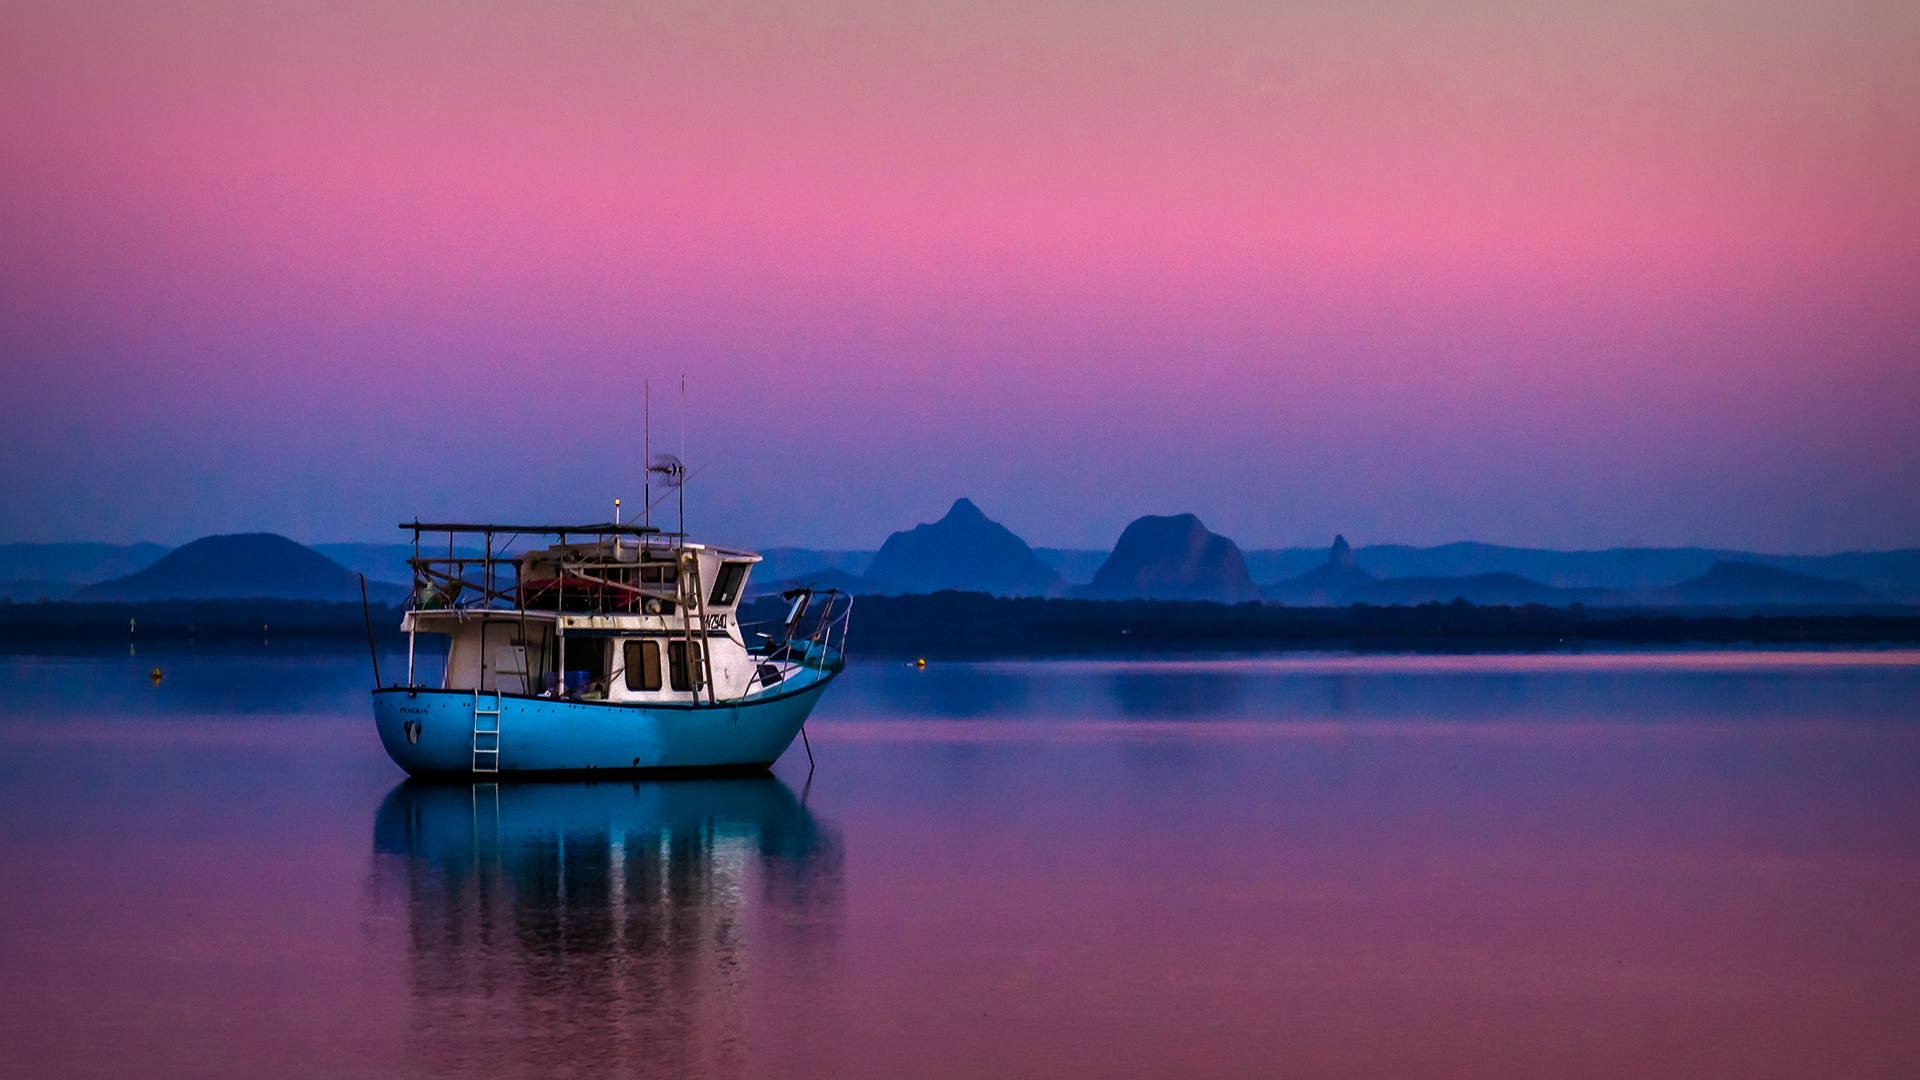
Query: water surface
point(1659, 864)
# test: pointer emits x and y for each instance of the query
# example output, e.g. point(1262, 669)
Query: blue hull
point(432, 731)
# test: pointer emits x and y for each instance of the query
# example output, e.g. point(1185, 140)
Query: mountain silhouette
point(1617, 575)
point(1173, 558)
point(827, 577)
point(1341, 556)
point(1338, 581)
point(1729, 582)
point(965, 551)
point(75, 564)
point(240, 565)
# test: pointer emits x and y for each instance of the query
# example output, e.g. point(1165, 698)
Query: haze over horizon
point(1569, 277)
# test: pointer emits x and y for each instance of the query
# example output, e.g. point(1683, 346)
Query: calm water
point(1694, 865)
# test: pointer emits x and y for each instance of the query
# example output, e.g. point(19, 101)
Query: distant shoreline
point(209, 621)
point(952, 624)
point(973, 624)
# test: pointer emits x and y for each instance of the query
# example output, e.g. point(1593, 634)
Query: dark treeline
point(208, 621)
point(955, 623)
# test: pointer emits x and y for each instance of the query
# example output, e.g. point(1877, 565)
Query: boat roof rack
point(603, 528)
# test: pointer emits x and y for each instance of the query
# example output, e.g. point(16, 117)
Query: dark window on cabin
point(727, 589)
point(643, 665)
point(683, 658)
point(659, 574)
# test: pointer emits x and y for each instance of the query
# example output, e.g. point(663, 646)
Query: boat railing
point(491, 579)
point(813, 629)
point(441, 584)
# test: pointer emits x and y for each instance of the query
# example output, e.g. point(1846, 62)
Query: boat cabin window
point(643, 665)
point(659, 574)
point(726, 588)
point(684, 658)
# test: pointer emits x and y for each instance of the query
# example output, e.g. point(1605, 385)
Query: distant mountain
point(1895, 575)
point(1336, 582)
point(240, 565)
point(1172, 558)
point(1078, 565)
point(786, 562)
point(386, 562)
point(1341, 581)
point(1616, 568)
point(1728, 582)
point(827, 578)
point(965, 551)
point(74, 564)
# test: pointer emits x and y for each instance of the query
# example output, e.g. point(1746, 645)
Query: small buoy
point(154, 675)
point(920, 663)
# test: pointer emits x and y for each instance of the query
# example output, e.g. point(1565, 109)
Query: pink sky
point(1569, 276)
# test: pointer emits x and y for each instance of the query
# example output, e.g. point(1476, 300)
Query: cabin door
point(503, 658)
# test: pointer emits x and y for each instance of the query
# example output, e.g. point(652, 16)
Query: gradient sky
point(1561, 274)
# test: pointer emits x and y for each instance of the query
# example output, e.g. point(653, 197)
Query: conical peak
point(1342, 553)
point(963, 509)
point(965, 550)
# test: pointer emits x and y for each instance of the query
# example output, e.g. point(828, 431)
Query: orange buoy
point(154, 675)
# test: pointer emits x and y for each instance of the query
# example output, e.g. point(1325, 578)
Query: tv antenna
point(646, 450)
point(673, 474)
point(673, 471)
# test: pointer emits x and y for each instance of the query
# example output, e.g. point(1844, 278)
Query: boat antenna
point(683, 458)
point(673, 471)
point(646, 448)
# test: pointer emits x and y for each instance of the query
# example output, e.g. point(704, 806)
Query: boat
point(616, 649)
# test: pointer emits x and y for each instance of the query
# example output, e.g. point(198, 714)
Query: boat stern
point(426, 732)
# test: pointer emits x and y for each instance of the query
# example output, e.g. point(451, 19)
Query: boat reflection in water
point(627, 926)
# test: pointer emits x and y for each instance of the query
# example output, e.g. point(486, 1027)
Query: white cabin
point(632, 618)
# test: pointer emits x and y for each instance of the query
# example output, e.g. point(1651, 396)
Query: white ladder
point(486, 735)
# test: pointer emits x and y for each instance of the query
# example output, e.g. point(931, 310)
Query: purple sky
point(1573, 276)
